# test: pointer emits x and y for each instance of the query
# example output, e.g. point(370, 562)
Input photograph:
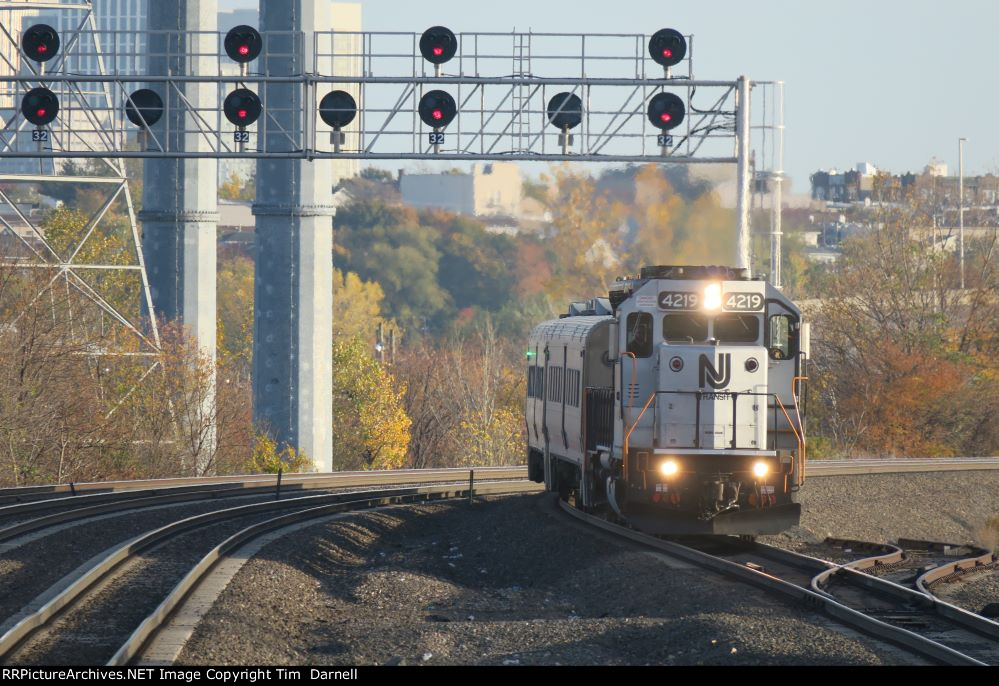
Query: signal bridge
point(297, 98)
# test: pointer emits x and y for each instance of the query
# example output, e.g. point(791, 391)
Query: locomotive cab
point(700, 428)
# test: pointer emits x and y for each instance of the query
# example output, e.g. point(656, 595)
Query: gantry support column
point(293, 311)
point(743, 134)
point(180, 197)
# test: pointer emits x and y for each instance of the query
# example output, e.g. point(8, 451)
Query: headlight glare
point(713, 297)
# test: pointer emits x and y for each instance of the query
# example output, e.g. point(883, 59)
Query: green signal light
point(530, 354)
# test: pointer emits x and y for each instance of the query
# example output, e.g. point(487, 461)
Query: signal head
point(438, 109)
point(40, 106)
point(144, 107)
point(668, 47)
point(243, 44)
point(40, 42)
point(438, 45)
point(666, 111)
point(565, 111)
point(338, 109)
point(242, 107)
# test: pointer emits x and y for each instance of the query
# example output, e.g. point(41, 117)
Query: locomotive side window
point(640, 334)
point(737, 328)
point(685, 328)
point(783, 340)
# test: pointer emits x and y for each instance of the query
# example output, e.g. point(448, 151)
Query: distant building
point(864, 184)
point(122, 27)
point(491, 190)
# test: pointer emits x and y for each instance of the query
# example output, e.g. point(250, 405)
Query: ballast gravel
point(508, 581)
point(947, 507)
point(513, 581)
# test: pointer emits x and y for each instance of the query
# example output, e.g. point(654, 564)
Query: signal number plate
point(436, 138)
point(669, 300)
point(743, 302)
point(40, 136)
point(241, 137)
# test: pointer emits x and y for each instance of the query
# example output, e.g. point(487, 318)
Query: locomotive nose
point(712, 397)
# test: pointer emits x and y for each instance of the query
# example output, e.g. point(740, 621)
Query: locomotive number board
point(670, 300)
point(742, 302)
point(685, 301)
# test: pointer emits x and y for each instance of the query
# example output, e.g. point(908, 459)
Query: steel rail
point(25, 495)
point(909, 599)
point(817, 468)
point(107, 503)
point(810, 596)
point(70, 596)
point(55, 495)
point(976, 560)
point(150, 626)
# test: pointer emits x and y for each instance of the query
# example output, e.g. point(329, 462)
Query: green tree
point(235, 313)
point(371, 428)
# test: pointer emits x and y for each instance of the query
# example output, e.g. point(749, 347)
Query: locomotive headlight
point(669, 468)
point(713, 297)
point(761, 469)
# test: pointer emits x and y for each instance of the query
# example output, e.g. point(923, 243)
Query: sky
point(891, 82)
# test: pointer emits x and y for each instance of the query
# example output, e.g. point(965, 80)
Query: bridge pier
point(180, 196)
point(293, 291)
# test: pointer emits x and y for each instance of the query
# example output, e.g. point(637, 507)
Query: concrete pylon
point(293, 311)
point(180, 197)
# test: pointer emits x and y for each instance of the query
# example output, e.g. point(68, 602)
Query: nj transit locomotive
point(676, 402)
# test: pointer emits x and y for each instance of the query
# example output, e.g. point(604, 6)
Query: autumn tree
point(370, 426)
point(465, 397)
point(238, 189)
point(904, 361)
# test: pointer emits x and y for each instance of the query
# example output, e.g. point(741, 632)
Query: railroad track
point(21, 518)
point(904, 616)
point(111, 490)
point(120, 601)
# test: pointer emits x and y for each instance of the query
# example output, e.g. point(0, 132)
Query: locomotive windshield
point(685, 328)
point(694, 328)
point(737, 328)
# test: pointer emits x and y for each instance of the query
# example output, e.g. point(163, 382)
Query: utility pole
point(960, 202)
point(777, 199)
point(743, 200)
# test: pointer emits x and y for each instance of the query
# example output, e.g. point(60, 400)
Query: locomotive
point(676, 403)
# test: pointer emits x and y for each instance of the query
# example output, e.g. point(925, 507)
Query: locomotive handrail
point(634, 384)
point(799, 435)
point(634, 426)
point(795, 384)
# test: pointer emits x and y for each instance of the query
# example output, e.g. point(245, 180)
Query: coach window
point(737, 328)
point(685, 328)
point(640, 334)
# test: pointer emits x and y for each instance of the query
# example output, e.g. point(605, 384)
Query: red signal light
point(244, 49)
point(43, 48)
point(437, 114)
point(667, 53)
point(438, 52)
point(666, 117)
point(241, 114)
point(40, 113)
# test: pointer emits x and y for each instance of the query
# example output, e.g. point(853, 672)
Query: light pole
point(960, 201)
